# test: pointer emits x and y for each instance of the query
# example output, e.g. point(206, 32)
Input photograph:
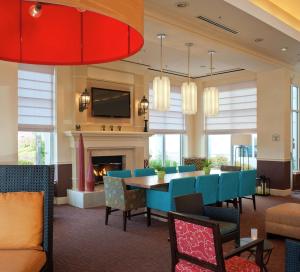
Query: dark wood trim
point(64, 180)
point(279, 173)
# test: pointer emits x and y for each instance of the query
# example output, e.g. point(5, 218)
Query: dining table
point(150, 182)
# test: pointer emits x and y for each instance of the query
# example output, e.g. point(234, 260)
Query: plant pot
point(206, 170)
point(161, 174)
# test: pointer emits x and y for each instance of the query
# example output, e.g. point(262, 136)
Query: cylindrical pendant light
point(189, 91)
point(161, 85)
point(211, 95)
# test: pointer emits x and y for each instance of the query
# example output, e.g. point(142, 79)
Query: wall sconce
point(84, 100)
point(143, 106)
point(143, 109)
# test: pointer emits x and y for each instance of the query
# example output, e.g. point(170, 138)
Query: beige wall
point(273, 114)
point(8, 112)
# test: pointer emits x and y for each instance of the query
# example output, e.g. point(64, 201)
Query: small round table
point(267, 248)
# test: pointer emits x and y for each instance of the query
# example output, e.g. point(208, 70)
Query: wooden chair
point(196, 246)
point(227, 218)
point(117, 197)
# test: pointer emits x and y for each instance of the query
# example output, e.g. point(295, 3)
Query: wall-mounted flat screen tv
point(110, 103)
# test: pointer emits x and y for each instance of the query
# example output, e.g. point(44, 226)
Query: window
point(171, 121)
point(165, 147)
point(237, 110)
point(36, 97)
point(237, 115)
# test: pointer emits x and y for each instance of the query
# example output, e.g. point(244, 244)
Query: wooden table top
point(153, 181)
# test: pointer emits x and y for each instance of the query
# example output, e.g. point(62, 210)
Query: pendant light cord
point(161, 56)
point(189, 54)
point(211, 68)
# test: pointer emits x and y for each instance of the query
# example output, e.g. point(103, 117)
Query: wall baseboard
point(61, 200)
point(276, 192)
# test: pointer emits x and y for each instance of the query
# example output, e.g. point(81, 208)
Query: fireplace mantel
point(76, 134)
point(133, 146)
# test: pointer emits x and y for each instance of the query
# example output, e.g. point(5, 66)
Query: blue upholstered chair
point(186, 168)
point(170, 170)
point(247, 187)
point(144, 172)
point(208, 187)
point(164, 201)
point(228, 187)
point(119, 173)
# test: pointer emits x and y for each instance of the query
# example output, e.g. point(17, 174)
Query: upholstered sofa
point(26, 218)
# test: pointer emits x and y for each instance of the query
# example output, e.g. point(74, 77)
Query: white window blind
point(237, 109)
point(36, 98)
point(171, 121)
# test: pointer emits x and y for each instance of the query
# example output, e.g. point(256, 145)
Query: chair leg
point(254, 202)
point(235, 203)
point(124, 220)
point(241, 204)
point(107, 213)
point(148, 217)
point(129, 215)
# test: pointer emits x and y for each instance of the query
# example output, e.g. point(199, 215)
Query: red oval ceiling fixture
point(55, 34)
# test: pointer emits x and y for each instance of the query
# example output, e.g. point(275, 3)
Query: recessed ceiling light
point(283, 49)
point(182, 4)
point(257, 40)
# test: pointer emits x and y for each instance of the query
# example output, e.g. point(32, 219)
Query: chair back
point(230, 168)
point(114, 189)
point(190, 204)
point(196, 242)
point(144, 172)
point(170, 170)
point(186, 168)
point(181, 186)
point(208, 186)
point(33, 178)
point(247, 183)
point(119, 173)
point(228, 186)
point(292, 253)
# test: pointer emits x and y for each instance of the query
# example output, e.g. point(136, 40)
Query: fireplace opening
point(104, 164)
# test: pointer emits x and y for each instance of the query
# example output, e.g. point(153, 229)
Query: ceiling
point(234, 51)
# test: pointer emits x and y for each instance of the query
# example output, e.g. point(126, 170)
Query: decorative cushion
point(22, 260)
point(195, 240)
point(21, 220)
point(185, 266)
point(236, 263)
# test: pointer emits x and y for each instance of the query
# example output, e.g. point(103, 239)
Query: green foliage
point(158, 164)
point(218, 161)
point(23, 162)
point(207, 163)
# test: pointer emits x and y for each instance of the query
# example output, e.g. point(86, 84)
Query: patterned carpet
point(83, 243)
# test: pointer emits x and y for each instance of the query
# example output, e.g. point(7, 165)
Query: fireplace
point(103, 164)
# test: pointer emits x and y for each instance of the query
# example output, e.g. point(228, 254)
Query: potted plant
point(207, 165)
point(157, 165)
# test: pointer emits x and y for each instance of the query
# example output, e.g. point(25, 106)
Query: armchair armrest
point(259, 244)
point(223, 214)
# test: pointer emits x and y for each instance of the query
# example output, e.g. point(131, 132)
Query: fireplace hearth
point(104, 164)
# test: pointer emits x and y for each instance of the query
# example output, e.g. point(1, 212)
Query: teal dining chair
point(208, 186)
point(164, 201)
point(247, 187)
point(119, 173)
point(170, 169)
point(186, 168)
point(228, 187)
point(144, 172)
